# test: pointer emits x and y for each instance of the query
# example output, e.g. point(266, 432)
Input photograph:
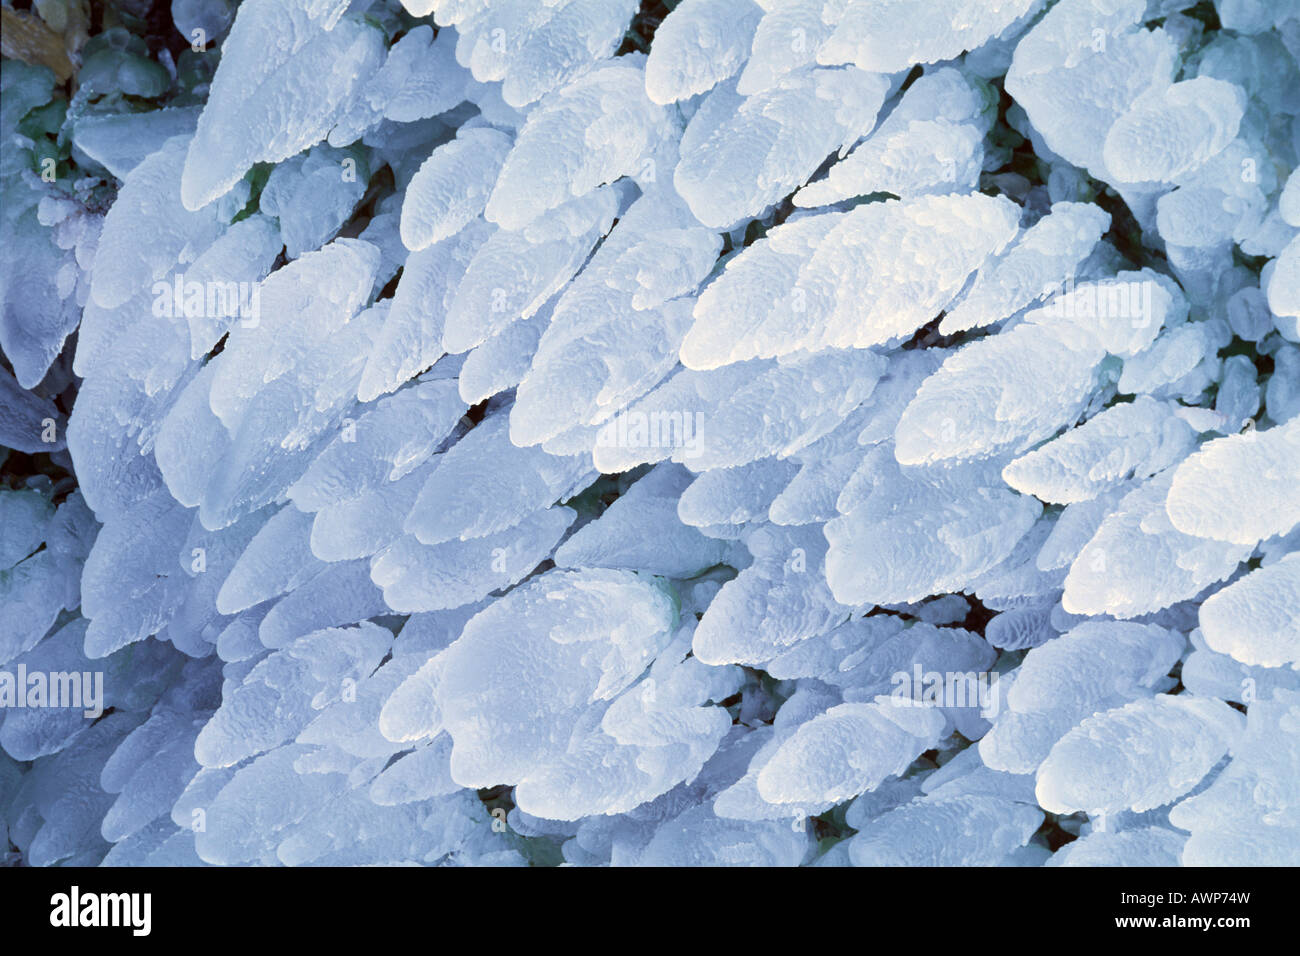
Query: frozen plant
point(715, 432)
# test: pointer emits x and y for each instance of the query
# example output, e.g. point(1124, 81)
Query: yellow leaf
point(25, 37)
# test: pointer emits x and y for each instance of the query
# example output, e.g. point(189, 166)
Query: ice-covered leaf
point(1255, 619)
point(1137, 757)
point(421, 577)
point(887, 255)
point(700, 44)
point(512, 274)
point(1168, 133)
point(958, 526)
point(1132, 440)
point(452, 186)
point(598, 128)
point(1094, 666)
point(486, 484)
point(149, 202)
point(776, 602)
point(535, 48)
point(641, 531)
point(1045, 254)
point(741, 154)
point(418, 79)
point(287, 75)
point(889, 35)
point(1219, 492)
point(931, 142)
point(312, 195)
point(958, 831)
point(1247, 816)
point(395, 436)
point(590, 632)
point(1138, 562)
point(850, 749)
point(1081, 67)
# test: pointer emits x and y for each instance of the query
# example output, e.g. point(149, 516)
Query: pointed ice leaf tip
point(288, 71)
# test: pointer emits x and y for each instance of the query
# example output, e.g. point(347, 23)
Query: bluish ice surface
point(796, 432)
